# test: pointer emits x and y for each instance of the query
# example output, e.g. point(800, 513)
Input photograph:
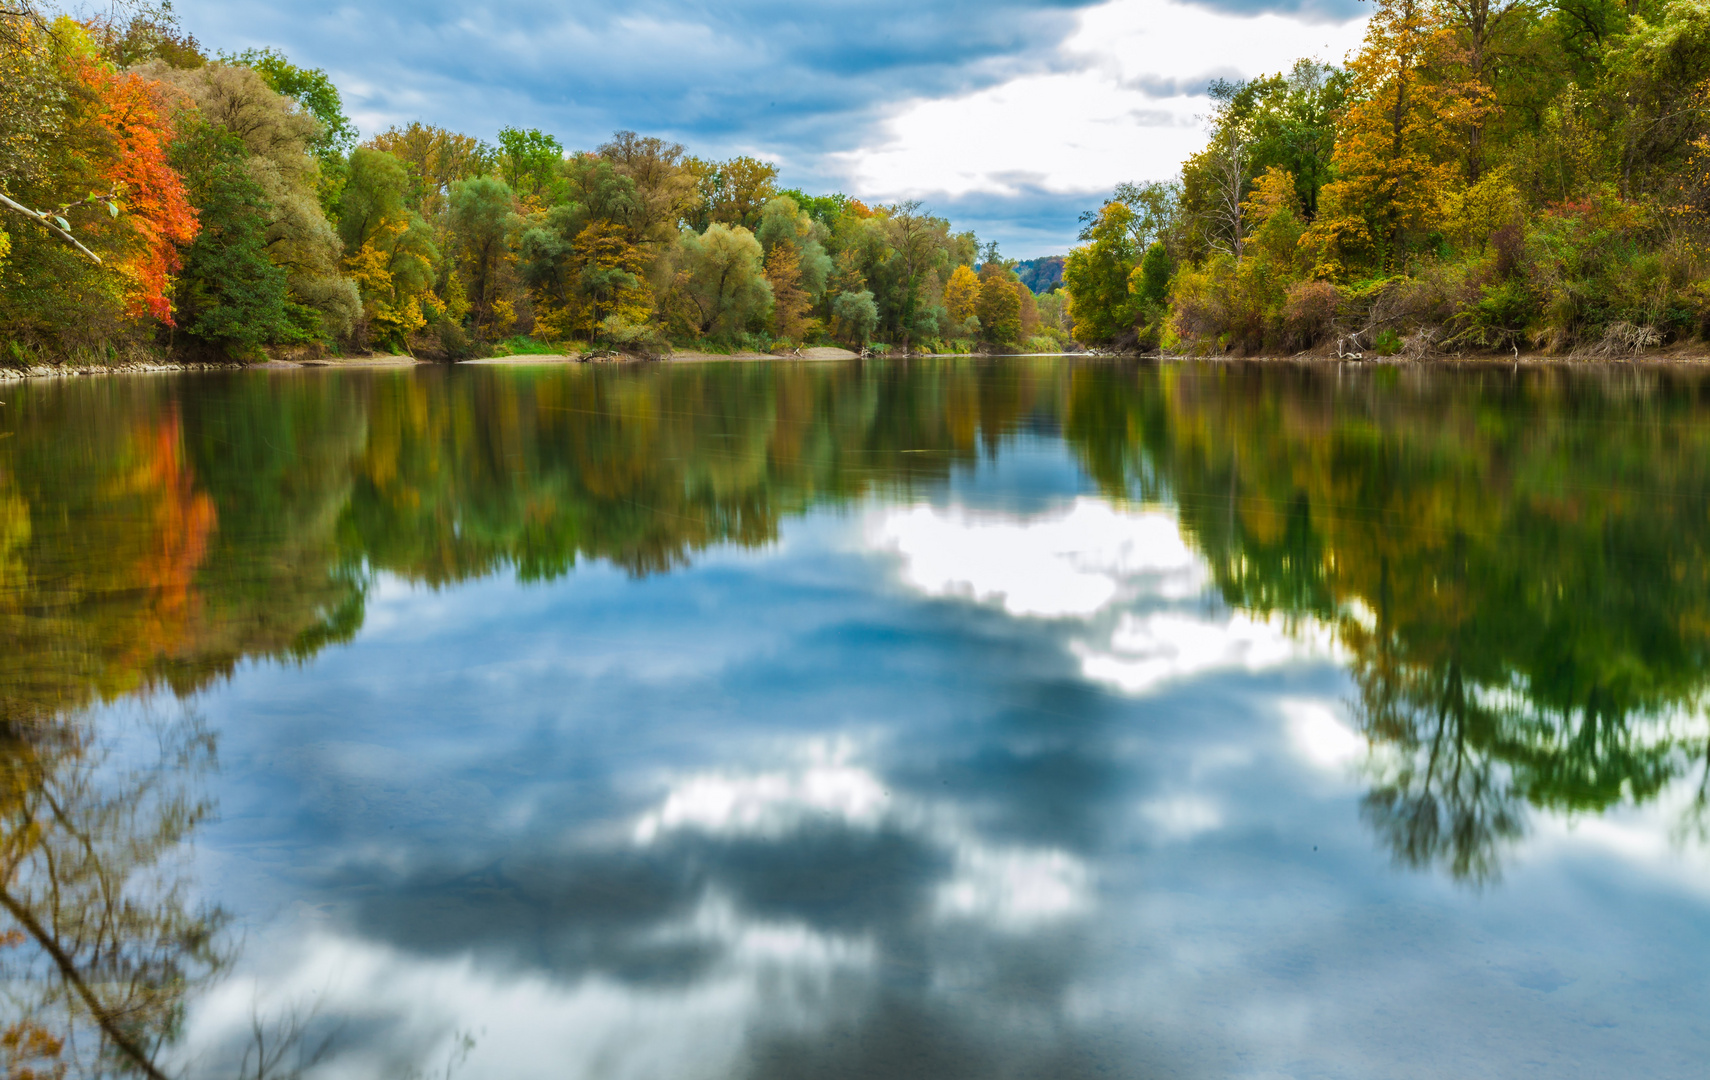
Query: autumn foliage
point(1479, 175)
point(156, 207)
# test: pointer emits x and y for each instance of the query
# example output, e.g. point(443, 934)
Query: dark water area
point(934, 719)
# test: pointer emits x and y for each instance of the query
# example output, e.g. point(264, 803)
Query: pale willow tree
point(720, 285)
point(857, 315)
point(279, 139)
point(666, 193)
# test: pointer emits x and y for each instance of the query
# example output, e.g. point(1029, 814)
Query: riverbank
point(1686, 355)
point(163, 367)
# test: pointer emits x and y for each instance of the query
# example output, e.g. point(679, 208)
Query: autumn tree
point(666, 190)
point(790, 301)
point(157, 208)
point(797, 267)
point(608, 298)
point(1395, 147)
point(389, 250)
point(962, 297)
point(435, 159)
point(1000, 307)
point(102, 941)
point(732, 192)
point(58, 292)
point(129, 38)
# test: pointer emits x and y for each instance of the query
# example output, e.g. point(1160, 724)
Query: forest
point(1481, 176)
point(162, 200)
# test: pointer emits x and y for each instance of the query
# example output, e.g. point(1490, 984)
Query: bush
point(1310, 312)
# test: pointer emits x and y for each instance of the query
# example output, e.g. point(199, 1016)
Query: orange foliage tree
point(154, 202)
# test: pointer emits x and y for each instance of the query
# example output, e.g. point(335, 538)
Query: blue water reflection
point(981, 780)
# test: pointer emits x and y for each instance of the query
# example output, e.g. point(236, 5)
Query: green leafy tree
point(229, 296)
point(482, 214)
point(1096, 276)
point(529, 161)
point(720, 282)
point(1153, 283)
point(857, 316)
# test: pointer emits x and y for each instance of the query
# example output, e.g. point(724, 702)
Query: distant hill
point(1041, 275)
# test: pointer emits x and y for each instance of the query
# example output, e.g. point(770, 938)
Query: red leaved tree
point(154, 202)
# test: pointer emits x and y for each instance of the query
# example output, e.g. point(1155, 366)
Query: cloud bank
point(1010, 117)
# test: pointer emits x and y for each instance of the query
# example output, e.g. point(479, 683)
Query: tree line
point(1482, 175)
point(154, 196)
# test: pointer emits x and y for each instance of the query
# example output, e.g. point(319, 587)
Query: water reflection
point(893, 745)
point(105, 944)
point(1514, 564)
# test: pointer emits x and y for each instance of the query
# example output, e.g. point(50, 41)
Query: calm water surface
point(941, 719)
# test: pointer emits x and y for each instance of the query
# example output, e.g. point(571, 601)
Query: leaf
point(63, 224)
point(113, 209)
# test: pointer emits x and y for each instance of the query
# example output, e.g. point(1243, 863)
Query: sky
point(1009, 117)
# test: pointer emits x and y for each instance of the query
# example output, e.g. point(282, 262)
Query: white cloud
point(1005, 887)
point(1015, 889)
point(1318, 734)
point(1071, 564)
point(1146, 651)
point(1121, 107)
point(768, 805)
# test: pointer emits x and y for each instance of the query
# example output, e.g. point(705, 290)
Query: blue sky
point(1008, 116)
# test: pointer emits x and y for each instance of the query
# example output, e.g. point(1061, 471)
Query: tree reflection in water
point(105, 942)
point(1517, 564)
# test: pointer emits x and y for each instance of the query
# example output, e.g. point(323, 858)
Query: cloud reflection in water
point(925, 834)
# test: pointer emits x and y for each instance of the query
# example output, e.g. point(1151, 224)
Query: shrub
point(1310, 312)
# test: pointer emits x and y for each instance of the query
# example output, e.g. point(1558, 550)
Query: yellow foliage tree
point(1396, 145)
point(962, 294)
point(393, 279)
point(608, 295)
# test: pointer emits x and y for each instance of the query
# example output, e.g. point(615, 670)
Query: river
point(944, 718)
